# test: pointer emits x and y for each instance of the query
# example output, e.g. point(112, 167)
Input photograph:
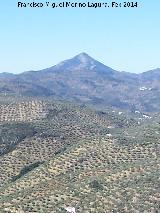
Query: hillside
point(60, 155)
point(83, 79)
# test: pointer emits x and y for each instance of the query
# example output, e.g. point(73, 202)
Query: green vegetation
point(12, 134)
point(26, 169)
point(60, 154)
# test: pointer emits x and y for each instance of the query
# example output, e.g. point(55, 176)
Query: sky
point(126, 39)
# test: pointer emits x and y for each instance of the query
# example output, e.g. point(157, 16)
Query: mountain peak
point(84, 57)
point(82, 62)
point(83, 54)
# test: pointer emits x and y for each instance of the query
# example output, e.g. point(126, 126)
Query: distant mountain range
point(85, 80)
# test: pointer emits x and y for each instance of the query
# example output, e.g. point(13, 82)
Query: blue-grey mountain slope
point(84, 79)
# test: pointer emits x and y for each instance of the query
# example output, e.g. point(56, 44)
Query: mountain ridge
point(82, 54)
point(86, 80)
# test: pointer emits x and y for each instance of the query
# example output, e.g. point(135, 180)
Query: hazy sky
point(36, 38)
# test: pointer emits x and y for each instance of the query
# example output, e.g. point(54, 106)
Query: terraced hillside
point(23, 111)
point(39, 138)
point(73, 156)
